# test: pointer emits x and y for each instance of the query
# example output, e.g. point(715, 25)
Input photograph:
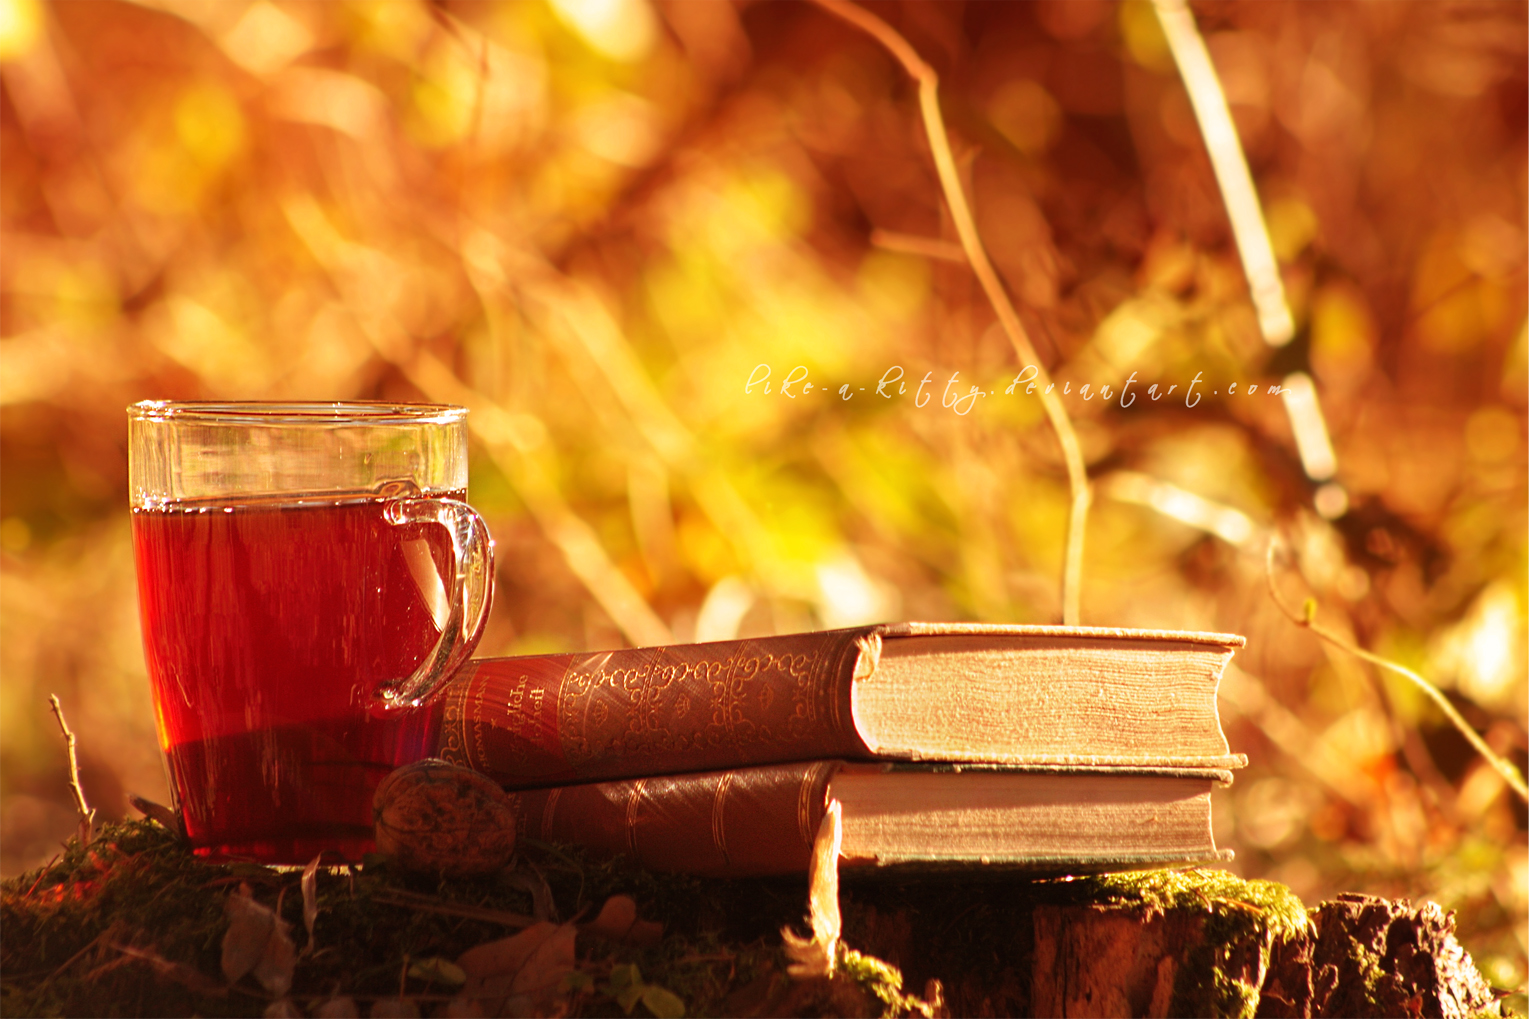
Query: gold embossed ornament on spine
point(1018, 695)
point(561, 718)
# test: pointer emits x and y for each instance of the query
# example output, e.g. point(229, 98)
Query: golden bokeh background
point(593, 221)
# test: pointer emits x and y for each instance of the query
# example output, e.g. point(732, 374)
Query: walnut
point(436, 816)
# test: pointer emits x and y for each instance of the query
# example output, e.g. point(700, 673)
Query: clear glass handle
point(470, 588)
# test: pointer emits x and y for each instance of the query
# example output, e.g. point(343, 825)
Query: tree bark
point(1363, 957)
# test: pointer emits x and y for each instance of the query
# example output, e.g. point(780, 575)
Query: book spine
point(554, 719)
point(750, 822)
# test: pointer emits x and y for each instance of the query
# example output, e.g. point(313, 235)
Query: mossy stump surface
point(133, 924)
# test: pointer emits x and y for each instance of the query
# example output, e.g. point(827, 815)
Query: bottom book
point(760, 821)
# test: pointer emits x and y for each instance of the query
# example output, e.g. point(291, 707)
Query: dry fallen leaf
point(519, 971)
point(462, 1007)
point(282, 1008)
point(394, 1008)
point(505, 955)
point(618, 921)
point(249, 929)
point(310, 885)
point(552, 960)
point(257, 942)
point(274, 970)
point(166, 817)
point(343, 1007)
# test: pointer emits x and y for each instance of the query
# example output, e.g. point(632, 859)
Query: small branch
point(1231, 166)
point(188, 977)
point(927, 247)
point(94, 942)
point(976, 254)
point(87, 815)
point(1307, 618)
point(427, 904)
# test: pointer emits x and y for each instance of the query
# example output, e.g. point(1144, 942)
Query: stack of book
point(1048, 749)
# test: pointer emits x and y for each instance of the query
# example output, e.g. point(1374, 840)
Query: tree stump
point(132, 925)
point(1361, 956)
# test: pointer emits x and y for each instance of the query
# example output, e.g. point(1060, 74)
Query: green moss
point(61, 922)
point(1243, 921)
point(883, 981)
point(1231, 997)
point(1368, 965)
point(879, 978)
point(137, 885)
point(1279, 909)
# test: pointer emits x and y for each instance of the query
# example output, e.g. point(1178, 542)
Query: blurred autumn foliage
point(596, 221)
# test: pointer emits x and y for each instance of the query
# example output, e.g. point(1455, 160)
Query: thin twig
point(1249, 228)
point(1231, 166)
point(187, 976)
point(713, 957)
point(428, 904)
point(42, 872)
point(77, 956)
point(1307, 618)
point(87, 815)
point(910, 244)
point(976, 255)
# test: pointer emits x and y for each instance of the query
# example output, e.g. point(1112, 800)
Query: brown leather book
point(909, 691)
point(756, 821)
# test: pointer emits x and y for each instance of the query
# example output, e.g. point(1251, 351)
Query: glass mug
point(308, 578)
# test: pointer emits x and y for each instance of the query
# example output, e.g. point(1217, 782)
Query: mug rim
point(296, 412)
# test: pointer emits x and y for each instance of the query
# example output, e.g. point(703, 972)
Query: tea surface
point(268, 630)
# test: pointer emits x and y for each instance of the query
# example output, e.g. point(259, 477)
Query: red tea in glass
point(294, 641)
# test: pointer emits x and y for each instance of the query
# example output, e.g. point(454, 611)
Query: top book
point(1024, 695)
